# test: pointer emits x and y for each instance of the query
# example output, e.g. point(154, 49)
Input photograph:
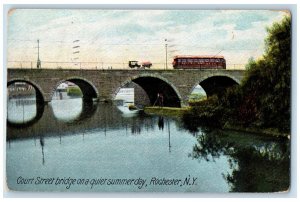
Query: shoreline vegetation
point(74, 91)
point(260, 104)
point(166, 111)
point(180, 112)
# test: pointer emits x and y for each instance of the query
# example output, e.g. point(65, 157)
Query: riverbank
point(179, 112)
point(166, 111)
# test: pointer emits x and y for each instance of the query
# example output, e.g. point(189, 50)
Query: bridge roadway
point(103, 85)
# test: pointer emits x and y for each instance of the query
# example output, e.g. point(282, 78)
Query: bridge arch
point(88, 89)
point(40, 95)
point(152, 85)
point(216, 83)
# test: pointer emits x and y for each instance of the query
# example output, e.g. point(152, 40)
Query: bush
point(74, 91)
point(205, 113)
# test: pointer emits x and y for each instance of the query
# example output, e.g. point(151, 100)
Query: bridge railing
point(96, 65)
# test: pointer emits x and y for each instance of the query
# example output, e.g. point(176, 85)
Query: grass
point(166, 111)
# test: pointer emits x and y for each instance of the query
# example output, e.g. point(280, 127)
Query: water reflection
point(42, 143)
point(161, 123)
point(66, 110)
point(73, 110)
point(248, 176)
point(258, 164)
point(23, 112)
point(93, 116)
point(18, 107)
point(99, 141)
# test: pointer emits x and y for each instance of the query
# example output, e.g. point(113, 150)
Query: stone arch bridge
point(103, 85)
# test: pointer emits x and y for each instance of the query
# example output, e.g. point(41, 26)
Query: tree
point(268, 81)
point(263, 98)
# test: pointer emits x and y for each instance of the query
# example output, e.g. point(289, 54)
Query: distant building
point(20, 86)
point(62, 86)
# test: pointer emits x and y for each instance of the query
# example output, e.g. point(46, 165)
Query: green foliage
point(196, 97)
point(251, 61)
point(263, 98)
point(267, 85)
point(74, 91)
point(207, 113)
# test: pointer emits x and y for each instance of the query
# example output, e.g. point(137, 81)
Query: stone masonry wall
point(107, 83)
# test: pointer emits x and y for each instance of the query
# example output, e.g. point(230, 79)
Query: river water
point(71, 145)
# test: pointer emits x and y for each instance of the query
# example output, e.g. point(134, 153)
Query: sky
point(114, 37)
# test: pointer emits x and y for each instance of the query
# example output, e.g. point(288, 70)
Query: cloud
point(122, 35)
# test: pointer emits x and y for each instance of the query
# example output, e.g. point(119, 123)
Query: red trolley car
point(199, 62)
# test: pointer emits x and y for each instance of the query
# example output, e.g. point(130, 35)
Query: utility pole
point(38, 64)
point(166, 46)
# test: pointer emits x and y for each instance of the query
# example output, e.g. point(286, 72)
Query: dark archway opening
point(217, 85)
point(154, 86)
point(88, 91)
